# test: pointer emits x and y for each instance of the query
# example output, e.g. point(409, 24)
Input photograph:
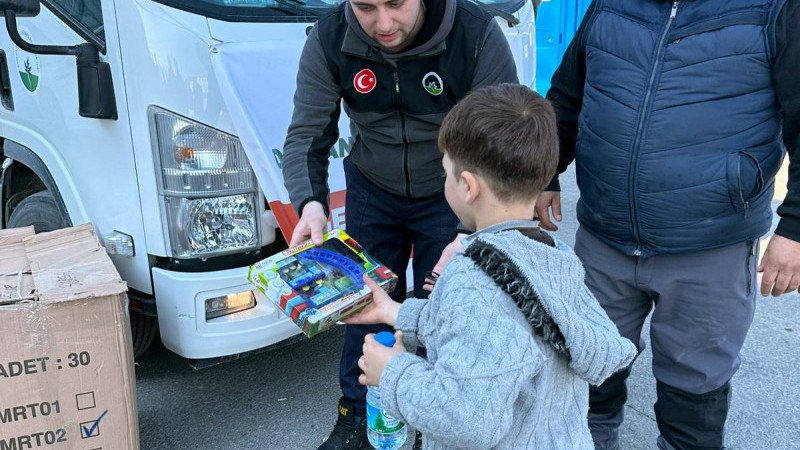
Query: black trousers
point(388, 226)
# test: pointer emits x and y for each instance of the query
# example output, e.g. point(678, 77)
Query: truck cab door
point(90, 160)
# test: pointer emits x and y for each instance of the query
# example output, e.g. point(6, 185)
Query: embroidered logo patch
point(433, 83)
point(365, 81)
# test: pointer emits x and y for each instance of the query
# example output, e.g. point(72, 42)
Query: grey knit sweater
point(489, 381)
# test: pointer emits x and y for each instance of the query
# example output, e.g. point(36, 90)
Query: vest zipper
point(751, 253)
point(406, 170)
point(745, 204)
point(642, 116)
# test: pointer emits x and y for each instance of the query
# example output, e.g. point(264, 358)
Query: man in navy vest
point(677, 115)
point(398, 66)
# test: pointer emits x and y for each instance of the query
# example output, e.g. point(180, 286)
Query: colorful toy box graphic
point(318, 286)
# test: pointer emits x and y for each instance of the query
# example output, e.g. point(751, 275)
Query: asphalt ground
point(285, 399)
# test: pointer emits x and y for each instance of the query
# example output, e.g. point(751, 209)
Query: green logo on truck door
point(28, 65)
point(29, 79)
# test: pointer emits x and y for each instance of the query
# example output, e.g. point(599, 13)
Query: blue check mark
point(88, 431)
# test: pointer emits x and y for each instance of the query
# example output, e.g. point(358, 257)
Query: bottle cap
point(386, 338)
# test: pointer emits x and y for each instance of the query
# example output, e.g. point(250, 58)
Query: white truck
point(143, 140)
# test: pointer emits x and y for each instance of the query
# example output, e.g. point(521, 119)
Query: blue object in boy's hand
point(386, 338)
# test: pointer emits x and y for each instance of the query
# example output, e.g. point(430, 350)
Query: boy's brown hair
point(507, 135)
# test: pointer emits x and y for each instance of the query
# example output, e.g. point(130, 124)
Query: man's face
point(391, 23)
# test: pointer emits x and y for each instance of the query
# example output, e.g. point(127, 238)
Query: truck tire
point(144, 329)
point(40, 210)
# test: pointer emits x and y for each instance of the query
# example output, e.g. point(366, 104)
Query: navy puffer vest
point(679, 136)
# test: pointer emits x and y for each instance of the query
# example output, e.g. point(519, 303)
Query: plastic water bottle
point(383, 431)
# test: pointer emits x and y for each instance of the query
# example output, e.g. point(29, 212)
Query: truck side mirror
point(22, 8)
point(95, 88)
point(96, 98)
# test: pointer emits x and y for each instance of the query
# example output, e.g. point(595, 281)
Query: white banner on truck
point(261, 109)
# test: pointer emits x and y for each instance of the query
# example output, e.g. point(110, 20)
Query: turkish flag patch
point(365, 81)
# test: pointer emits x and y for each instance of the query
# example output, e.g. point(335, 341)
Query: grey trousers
point(703, 304)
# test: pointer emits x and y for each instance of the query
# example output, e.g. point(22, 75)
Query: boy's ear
point(472, 186)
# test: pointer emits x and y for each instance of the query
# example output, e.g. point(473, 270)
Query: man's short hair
point(507, 135)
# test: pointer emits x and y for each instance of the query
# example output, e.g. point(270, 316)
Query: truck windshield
point(290, 10)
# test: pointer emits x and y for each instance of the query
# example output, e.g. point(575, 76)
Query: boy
point(512, 334)
point(375, 58)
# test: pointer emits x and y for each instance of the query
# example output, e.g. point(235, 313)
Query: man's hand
point(447, 253)
point(780, 266)
point(376, 357)
point(311, 225)
point(382, 309)
point(548, 200)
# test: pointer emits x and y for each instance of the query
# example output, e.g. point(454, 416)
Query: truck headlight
point(209, 191)
point(212, 225)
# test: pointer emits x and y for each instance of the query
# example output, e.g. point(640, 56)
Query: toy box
point(318, 286)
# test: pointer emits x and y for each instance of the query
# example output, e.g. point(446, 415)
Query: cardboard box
point(66, 362)
point(318, 286)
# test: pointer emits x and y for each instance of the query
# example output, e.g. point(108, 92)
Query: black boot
point(662, 444)
point(349, 433)
point(607, 410)
point(691, 421)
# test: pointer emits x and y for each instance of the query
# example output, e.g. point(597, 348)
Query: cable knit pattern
point(490, 382)
point(508, 276)
point(409, 315)
point(595, 346)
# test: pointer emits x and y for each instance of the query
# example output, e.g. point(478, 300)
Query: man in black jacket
point(399, 66)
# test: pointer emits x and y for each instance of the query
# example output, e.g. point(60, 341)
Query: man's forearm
point(785, 69)
point(313, 130)
point(789, 211)
point(566, 95)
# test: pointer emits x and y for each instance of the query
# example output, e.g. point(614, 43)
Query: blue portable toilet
point(556, 24)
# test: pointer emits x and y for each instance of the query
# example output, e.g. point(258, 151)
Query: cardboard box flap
point(70, 264)
point(16, 282)
point(12, 250)
point(15, 235)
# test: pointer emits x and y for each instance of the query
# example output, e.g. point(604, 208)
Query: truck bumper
point(180, 298)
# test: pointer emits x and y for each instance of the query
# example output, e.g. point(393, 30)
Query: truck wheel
point(144, 329)
point(40, 210)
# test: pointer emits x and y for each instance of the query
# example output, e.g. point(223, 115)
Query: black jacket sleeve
point(786, 76)
point(314, 128)
point(566, 95)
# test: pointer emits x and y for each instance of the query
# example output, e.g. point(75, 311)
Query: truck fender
point(27, 157)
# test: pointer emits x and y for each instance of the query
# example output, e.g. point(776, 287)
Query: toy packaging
point(318, 286)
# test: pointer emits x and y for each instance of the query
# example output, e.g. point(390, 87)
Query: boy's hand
point(376, 357)
point(311, 225)
point(447, 254)
point(382, 309)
